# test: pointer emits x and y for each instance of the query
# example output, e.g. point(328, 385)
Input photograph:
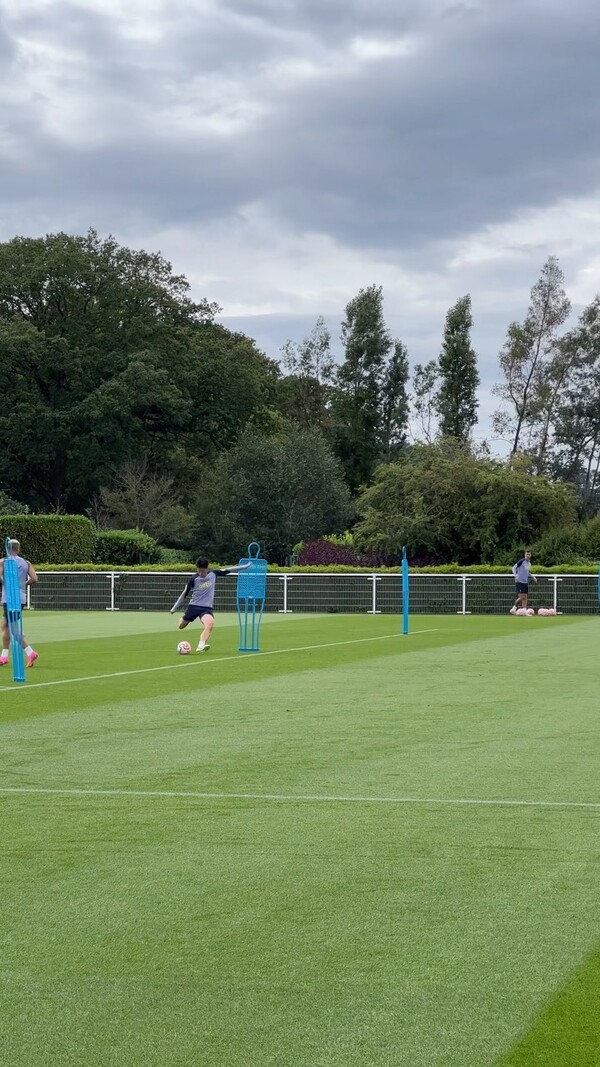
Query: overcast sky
point(285, 153)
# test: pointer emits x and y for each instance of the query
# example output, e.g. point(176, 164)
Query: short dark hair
point(201, 563)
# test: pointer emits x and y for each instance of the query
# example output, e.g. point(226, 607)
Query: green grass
point(318, 897)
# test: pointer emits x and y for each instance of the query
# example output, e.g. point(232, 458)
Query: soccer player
point(27, 577)
point(522, 574)
point(201, 591)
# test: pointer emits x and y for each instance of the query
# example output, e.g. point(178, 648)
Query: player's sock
point(28, 650)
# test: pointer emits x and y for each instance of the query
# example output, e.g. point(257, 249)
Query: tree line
point(125, 399)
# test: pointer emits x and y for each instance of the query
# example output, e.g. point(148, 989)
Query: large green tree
point(277, 488)
point(357, 401)
point(425, 384)
point(449, 506)
point(456, 400)
point(395, 408)
point(141, 499)
point(531, 364)
point(305, 391)
point(107, 359)
point(576, 426)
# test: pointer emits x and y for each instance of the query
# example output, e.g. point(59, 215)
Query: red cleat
point(32, 658)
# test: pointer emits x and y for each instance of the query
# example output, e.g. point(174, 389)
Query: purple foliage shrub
point(321, 553)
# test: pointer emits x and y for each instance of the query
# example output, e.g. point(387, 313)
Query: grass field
point(353, 849)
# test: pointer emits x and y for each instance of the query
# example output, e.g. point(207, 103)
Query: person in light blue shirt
point(522, 574)
point(27, 577)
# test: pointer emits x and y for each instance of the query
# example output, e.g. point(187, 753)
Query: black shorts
point(522, 587)
point(192, 613)
point(5, 610)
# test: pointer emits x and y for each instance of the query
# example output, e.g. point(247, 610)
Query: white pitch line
point(317, 798)
point(206, 659)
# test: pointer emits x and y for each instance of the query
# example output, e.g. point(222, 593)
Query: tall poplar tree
point(394, 403)
point(357, 400)
point(456, 400)
point(531, 363)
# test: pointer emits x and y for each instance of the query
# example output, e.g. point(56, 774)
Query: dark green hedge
point(487, 568)
point(57, 539)
point(125, 548)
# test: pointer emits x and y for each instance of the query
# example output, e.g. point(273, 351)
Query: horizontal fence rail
point(431, 594)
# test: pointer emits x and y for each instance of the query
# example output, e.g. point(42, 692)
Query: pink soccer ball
point(543, 612)
point(530, 611)
point(522, 611)
point(184, 648)
point(552, 611)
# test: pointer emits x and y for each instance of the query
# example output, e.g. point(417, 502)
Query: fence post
point(111, 578)
point(463, 579)
point(285, 578)
point(374, 580)
point(555, 581)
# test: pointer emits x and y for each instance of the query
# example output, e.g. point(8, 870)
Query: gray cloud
point(493, 110)
point(394, 131)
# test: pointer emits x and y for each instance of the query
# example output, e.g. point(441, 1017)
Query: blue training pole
point(405, 593)
point(14, 613)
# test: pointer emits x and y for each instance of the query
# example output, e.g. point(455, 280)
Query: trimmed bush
point(446, 568)
point(125, 548)
point(51, 538)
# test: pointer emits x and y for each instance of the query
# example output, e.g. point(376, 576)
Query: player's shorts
point(192, 613)
point(522, 587)
point(5, 610)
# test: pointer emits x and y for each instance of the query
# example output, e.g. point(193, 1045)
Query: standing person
point(27, 577)
point(201, 591)
point(522, 573)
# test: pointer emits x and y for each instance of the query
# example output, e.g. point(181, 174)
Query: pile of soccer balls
point(544, 612)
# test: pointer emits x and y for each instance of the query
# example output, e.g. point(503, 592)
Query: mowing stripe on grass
point(206, 659)
point(307, 798)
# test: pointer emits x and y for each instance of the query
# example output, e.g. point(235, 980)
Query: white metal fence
point(432, 594)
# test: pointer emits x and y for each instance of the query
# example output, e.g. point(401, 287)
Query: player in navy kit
point(201, 591)
point(522, 574)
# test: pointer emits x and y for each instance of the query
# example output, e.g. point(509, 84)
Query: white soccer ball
point(543, 612)
point(522, 611)
point(552, 611)
point(530, 611)
point(184, 648)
